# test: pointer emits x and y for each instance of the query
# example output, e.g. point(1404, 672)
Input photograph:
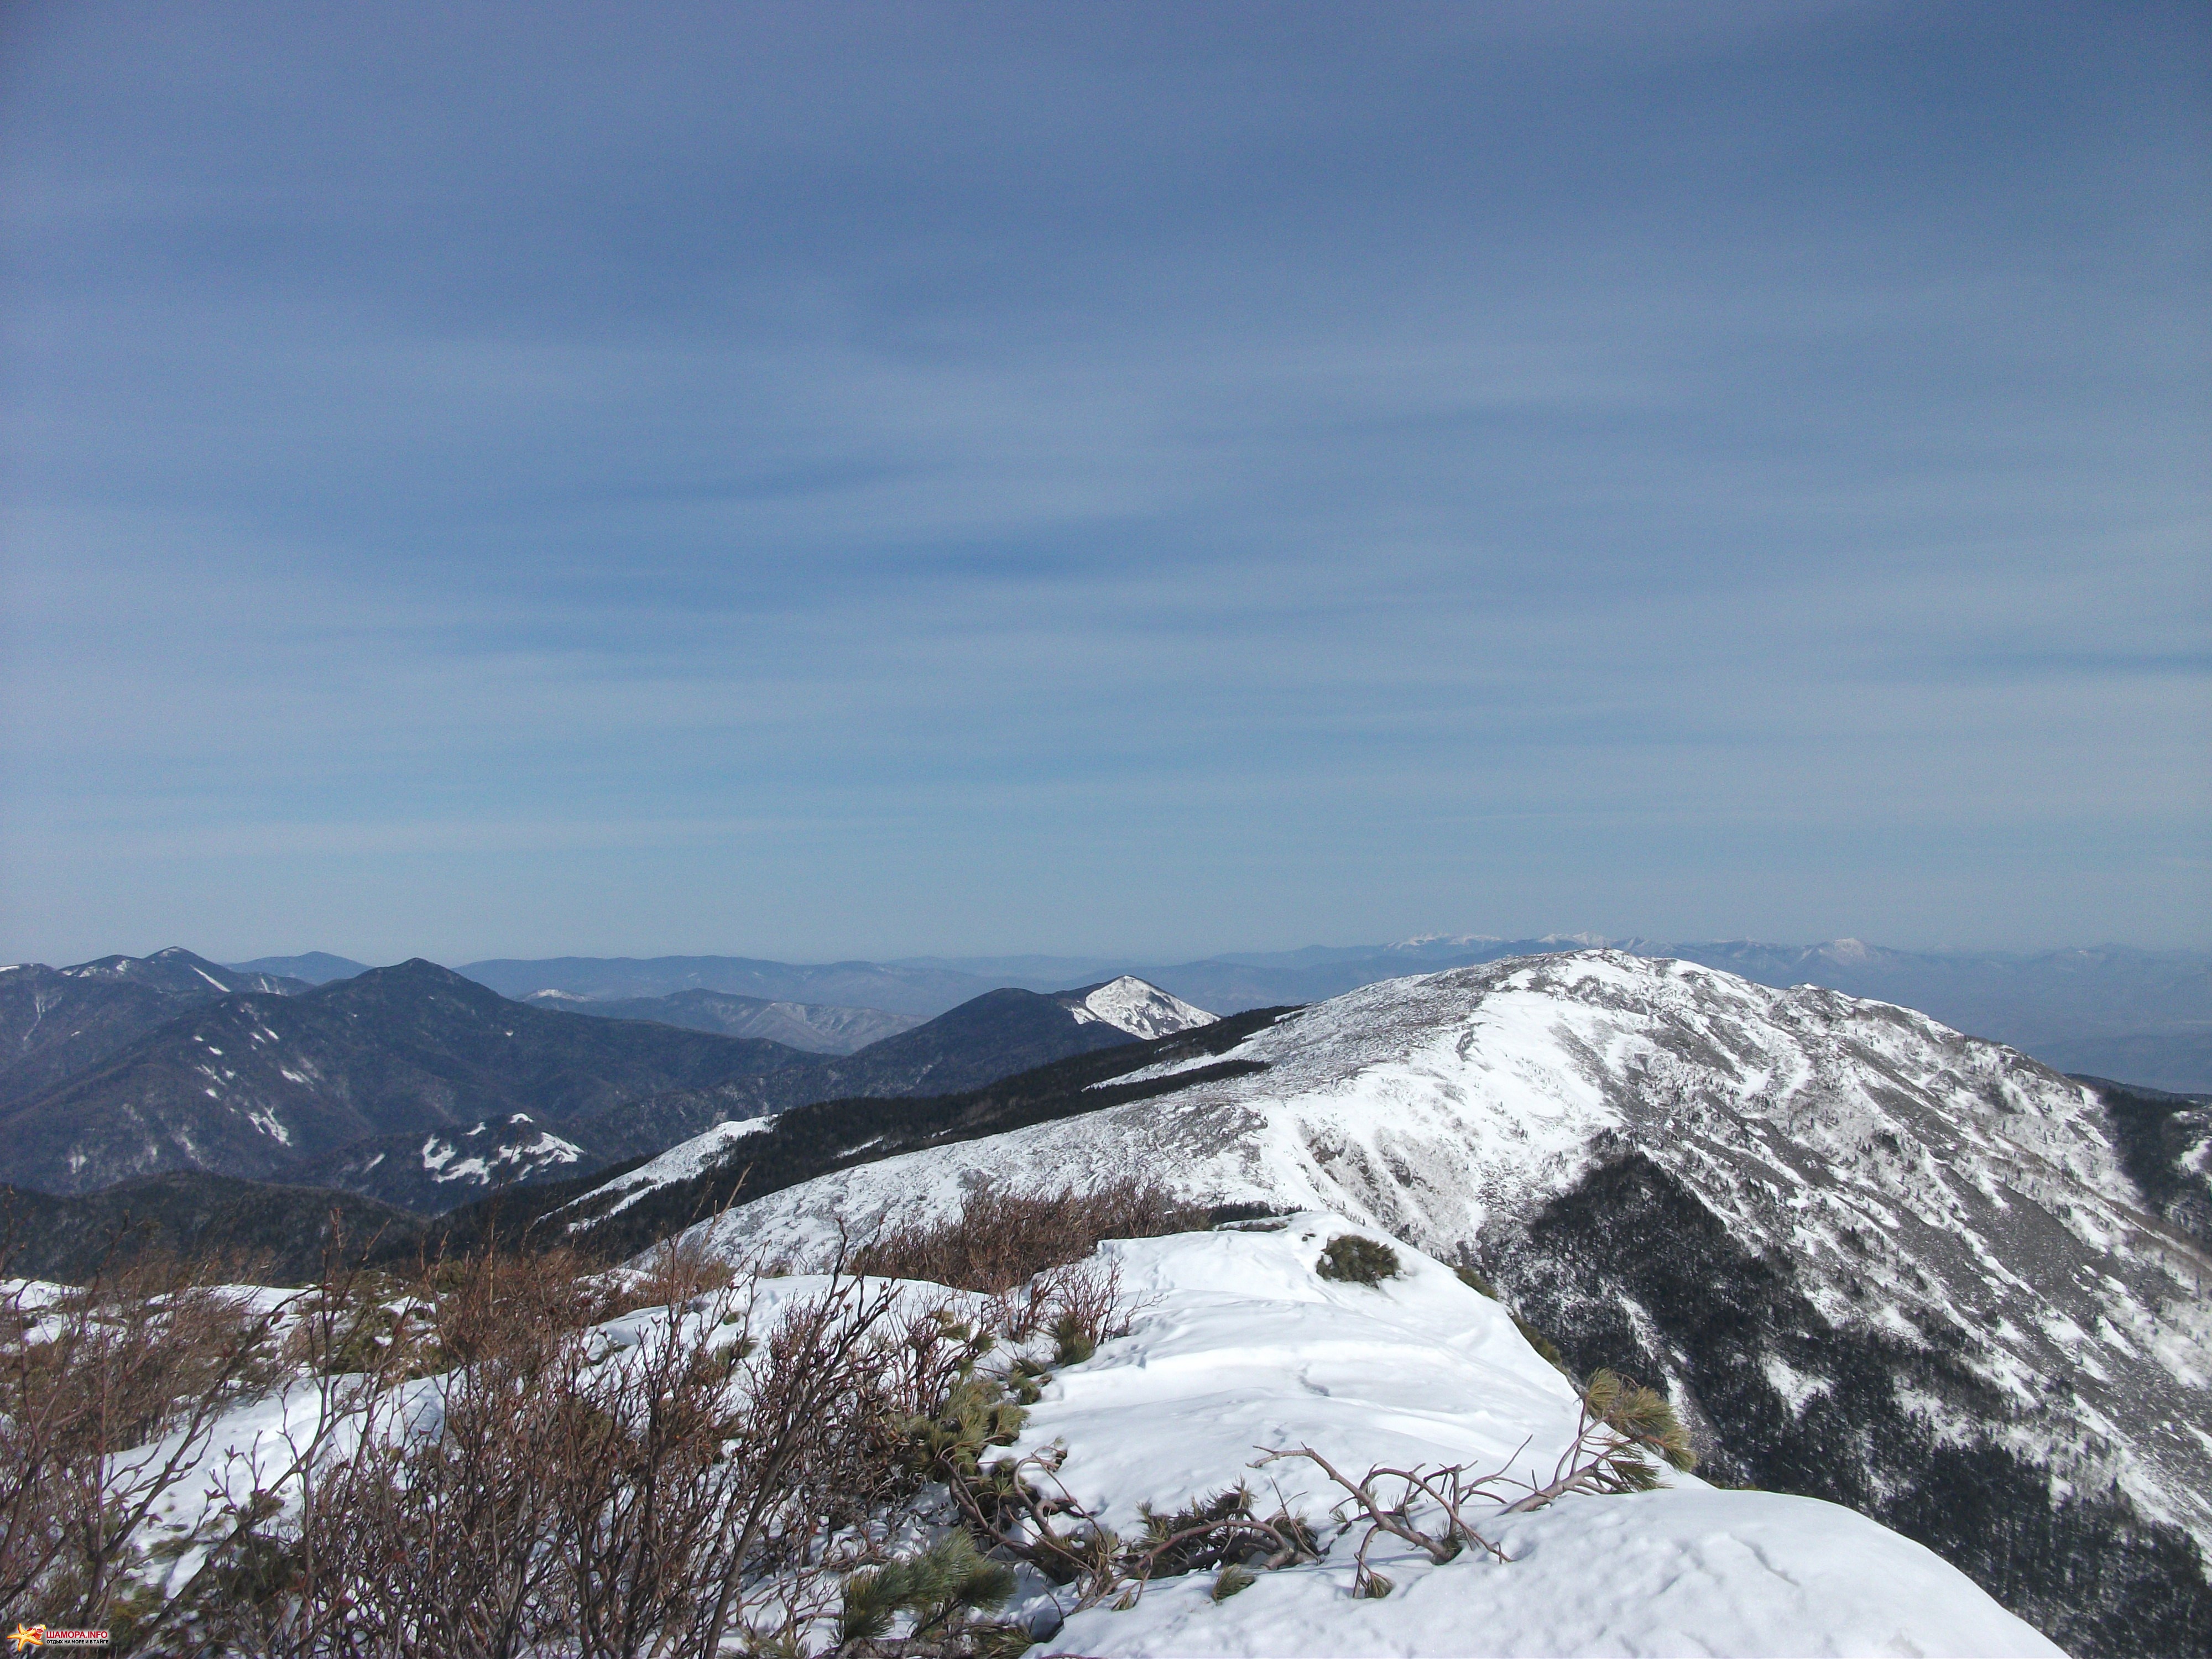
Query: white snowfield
point(1930, 1186)
point(1139, 1007)
point(1243, 1345)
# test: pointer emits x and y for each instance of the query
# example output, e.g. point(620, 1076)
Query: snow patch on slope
point(678, 1163)
point(442, 1161)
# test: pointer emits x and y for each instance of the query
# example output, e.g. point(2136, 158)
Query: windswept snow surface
point(1928, 1189)
point(1129, 1003)
point(1243, 1345)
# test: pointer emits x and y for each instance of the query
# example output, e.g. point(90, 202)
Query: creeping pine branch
point(1450, 1488)
point(1620, 1422)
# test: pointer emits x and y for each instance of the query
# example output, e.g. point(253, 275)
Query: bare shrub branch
point(1003, 1238)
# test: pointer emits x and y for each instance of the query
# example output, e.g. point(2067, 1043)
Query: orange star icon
point(29, 1635)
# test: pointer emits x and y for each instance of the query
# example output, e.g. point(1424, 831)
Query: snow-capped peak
point(1845, 950)
point(1143, 1010)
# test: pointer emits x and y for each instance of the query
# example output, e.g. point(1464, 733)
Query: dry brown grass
point(1003, 1238)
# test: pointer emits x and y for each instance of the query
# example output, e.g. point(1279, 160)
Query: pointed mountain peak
point(1137, 1006)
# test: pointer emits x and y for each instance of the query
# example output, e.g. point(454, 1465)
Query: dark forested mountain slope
point(259, 1084)
point(428, 1172)
point(997, 1034)
point(2164, 1141)
point(176, 972)
point(58, 1022)
point(266, 1234)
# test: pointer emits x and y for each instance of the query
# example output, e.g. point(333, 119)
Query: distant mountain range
point(426, 1088)
point(315, 968)
point(414, 1085)
point(58, 1022)
point(919, 991)
point(813, 1027)
point(257, 1083)
point(2142, 1016)
point(997, 1034)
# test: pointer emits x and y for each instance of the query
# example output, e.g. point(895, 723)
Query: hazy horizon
point(972, 960)
point(861, 481)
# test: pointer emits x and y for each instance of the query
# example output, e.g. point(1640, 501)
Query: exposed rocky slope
point(1874, 1259)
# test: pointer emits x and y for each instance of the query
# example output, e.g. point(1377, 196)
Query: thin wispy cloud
point(817, 481)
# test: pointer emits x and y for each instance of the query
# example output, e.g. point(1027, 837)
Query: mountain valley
point(813, 1028)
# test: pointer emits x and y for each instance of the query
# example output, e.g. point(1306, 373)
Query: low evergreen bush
point(1356, 1260)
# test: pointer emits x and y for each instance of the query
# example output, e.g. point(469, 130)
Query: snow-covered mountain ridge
point(1873, 1259)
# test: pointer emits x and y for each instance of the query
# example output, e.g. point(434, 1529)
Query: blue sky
point(828, 480)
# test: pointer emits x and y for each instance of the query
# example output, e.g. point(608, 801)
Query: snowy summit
point(1137, 1006)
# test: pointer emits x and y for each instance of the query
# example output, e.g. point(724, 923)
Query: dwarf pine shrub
point(1642, 1415)
point(1474, 1281)
point(1544, 1347)
point(1356, 1260)
point(936, 1589)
